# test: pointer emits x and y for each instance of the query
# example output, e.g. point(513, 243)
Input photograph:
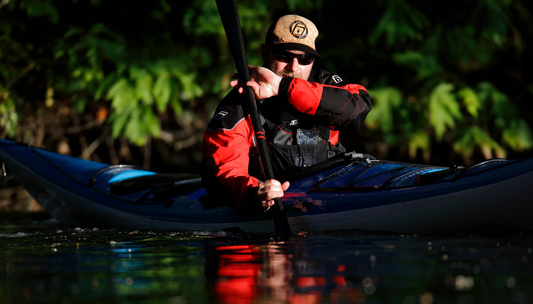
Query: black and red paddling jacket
point(304, 112)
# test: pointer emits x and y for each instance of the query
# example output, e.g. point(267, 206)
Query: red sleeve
point(229, 150)
point(343, 107)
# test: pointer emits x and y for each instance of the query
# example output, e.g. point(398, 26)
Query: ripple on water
point(82, 264)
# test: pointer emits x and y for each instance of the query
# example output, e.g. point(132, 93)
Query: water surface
point(43, 262)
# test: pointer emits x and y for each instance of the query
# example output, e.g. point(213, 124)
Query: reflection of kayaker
point(302, 109)
point(237, 273)
point(246, 273)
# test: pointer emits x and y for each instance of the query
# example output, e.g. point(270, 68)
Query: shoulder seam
point(213, 130)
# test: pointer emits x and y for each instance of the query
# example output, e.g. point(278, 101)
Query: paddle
point(230, 19)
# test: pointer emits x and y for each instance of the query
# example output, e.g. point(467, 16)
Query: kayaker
point(302, 108)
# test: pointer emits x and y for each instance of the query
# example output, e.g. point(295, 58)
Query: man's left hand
point(263, 82)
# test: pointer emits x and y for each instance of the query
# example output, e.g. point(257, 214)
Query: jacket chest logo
point(336, 78)
point(220, 115)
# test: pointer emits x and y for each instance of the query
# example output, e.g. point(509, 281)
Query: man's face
point(290, 68)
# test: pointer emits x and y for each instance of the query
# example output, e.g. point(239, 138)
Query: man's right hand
point(267, 191)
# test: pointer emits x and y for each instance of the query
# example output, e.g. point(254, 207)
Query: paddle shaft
point(230, 19)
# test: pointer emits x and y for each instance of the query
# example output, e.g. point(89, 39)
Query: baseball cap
point(292, 32)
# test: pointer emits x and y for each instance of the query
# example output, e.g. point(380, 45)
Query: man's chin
point(291, 75)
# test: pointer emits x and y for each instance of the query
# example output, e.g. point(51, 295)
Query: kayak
point(354, 191)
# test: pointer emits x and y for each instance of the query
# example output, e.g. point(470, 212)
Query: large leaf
point(400, 22)
point(425, 66)
point(119, 120)
point(518, 136)
point(475, 137)
point(162, 90)
point(418, 141)
point(386, 101)
point(143, 84)
point(39, 8)
point(8, 114)
point(503, 110)
point(151, 123)
point(470, 100)
point(105, 85)
point(122, 95)
point(134, 127)
point(444, 109)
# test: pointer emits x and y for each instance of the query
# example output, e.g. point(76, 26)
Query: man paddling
point(302, 109)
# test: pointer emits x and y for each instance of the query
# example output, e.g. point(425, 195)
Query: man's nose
point(294, 65)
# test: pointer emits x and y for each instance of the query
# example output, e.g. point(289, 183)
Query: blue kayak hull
point(369, 195)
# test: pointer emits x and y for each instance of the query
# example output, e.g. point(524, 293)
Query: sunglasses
point(303, 59)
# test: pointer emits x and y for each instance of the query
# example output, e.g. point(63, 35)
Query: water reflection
point(250, 273)
point(68, 265)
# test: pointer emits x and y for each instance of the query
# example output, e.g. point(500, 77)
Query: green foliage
point(507, 120)
point(518, 135)
point(38, 8)
point(419, 140)
point(443, 109)
point(400, 23)
point(447, 73)
point(471, 101)
point(475, 137)
point(8, 114)
point(465, 115)
point(444, 60)
point(141, 81)
point(382, 114)
point(425, 66)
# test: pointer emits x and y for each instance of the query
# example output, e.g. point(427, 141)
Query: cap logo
point(298, 29)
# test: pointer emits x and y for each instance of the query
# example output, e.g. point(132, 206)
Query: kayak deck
point(358, 193)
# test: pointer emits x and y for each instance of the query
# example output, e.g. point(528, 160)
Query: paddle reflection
point(257, 273)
